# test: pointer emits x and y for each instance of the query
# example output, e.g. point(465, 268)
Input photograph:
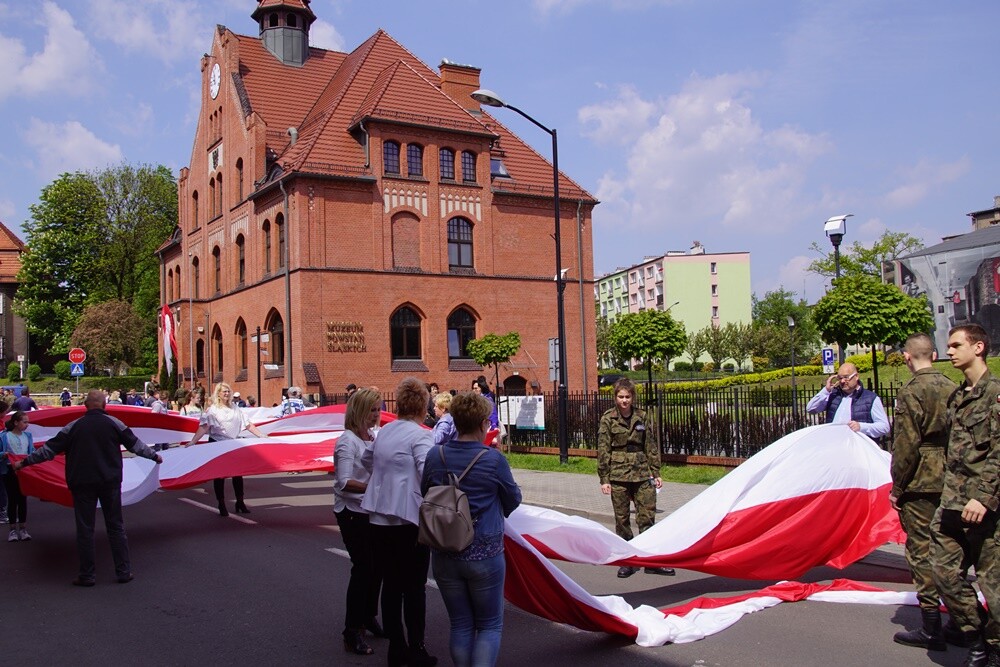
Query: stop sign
point(77, 355)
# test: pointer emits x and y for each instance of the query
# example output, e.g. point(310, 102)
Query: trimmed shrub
point(895, 359)
point(682, 366)
point(760, 363)
point(34, 372)
point(13, 371)
point(728, 368)
point(708, 367)
point(62, 370)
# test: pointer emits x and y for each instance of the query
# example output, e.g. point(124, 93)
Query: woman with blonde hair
point(392, 500)
point(444, 428)
point(224, 421)
point(350, 482)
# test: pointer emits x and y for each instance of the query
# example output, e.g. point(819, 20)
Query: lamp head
point(488, 97)
point(791, 322)
point(836, 227)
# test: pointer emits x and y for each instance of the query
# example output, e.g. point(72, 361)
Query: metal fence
point(735, 421)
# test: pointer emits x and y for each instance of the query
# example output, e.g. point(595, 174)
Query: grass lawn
point(682, 474)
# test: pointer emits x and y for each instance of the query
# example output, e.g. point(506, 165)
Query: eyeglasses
point(845, 378)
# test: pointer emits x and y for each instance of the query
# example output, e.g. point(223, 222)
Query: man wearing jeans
point(92, 445)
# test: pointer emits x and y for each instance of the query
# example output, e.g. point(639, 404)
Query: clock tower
point(284, 28)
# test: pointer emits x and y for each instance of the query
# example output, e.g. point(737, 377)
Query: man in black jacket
point(92, 445)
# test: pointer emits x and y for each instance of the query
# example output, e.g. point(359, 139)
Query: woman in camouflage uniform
point(628, 464)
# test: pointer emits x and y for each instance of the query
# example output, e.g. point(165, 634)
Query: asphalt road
point(270, 591)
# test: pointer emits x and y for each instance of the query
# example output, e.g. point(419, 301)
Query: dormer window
point(272, 21)
point(291, 21)
point(497, 168)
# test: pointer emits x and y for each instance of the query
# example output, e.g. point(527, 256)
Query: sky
point(742, 124)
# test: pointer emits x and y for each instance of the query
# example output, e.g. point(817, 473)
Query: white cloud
point(324, 35)
point(921, 179)
point(169, 30)
point(67, 147)
point(66, 65)
point(619, 121)
point(700, 157)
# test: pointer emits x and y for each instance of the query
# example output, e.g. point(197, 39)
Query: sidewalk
point(580, 495)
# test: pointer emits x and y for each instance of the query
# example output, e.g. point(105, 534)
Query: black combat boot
point(978, 656)
point(928, 637)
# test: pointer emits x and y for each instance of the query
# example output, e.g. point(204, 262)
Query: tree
point(91, 238)
point(493, 349)
point(716, 344)
point(603, 349)
point(695, 346)
point(739, 342)
point(861, 310)
point(772, 338)
point(110, 333)
point(651, 335)
point(57, 272)
point(864, 260)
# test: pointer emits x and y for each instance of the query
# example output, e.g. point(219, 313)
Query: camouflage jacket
point(626, 448)
point(920, 433)
point(973, 446)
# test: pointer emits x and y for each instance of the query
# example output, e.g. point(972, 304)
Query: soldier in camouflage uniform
point(628, 464)
point(919, 443)
point(963, 531)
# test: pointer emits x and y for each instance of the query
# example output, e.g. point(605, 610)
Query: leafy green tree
point(862, 310)
point(739, 342)
point(603, 349)
point(110, 333)
point(652, 335)
point(775, 309)
point(57, 271)
point(716, 344)
point(493, 350)
point(695, 347)
point(864, 260)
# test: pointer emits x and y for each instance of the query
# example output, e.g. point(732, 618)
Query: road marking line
point(215, 510)
point(343, 554)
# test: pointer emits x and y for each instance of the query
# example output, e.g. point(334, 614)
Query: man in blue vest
point(845, 401)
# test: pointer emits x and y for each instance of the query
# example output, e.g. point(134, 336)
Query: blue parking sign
point(827, 356)
point(76, 370)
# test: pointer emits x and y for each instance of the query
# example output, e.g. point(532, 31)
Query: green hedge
point(747, 378)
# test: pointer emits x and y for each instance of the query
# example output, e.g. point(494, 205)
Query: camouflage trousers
point(955, 546)
point(623, 494)
point(916, 511)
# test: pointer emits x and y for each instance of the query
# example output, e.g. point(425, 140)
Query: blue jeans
point(473, 594)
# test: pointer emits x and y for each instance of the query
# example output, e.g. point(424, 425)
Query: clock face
point(215, 81)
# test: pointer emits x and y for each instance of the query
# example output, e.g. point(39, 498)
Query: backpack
point(445, 519)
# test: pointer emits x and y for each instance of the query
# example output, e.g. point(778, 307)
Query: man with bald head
point(845, 401)
point(92, 445)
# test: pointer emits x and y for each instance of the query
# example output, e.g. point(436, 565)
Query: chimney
point(996, 201)
point(459, 82)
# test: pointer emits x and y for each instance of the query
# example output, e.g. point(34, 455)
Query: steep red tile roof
point(380, 79)
point(11, 248)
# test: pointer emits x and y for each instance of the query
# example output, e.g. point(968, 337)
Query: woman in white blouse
point(351, 480)
point(224, 421)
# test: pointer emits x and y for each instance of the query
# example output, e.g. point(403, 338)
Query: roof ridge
point(18, 243)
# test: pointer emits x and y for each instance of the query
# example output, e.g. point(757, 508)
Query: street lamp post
point(795, 399)
point(489, 98)
point(835, 228)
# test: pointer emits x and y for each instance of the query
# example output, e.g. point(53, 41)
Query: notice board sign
point(524, 412)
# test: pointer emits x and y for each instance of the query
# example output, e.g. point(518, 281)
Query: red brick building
point(367, 215)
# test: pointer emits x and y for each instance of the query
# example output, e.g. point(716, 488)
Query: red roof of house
point(333, 92)
point(11, 248)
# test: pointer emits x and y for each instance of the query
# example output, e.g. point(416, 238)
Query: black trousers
point(403, 563)
point(366, 579)
point(220, 489)
point(85, 498)
point(17, 503)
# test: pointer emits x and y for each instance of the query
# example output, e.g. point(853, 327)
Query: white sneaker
point(23, 534)
point(13, 537)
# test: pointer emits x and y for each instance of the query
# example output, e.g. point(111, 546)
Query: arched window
point(170, 285)
point(459, 243)
point(241, 345)
point(199, 356)
point(267, 246)
point(195, 275)
point(414, 160)
point(279, 221)
point(291, 21)
point(211, 199)
point(390, 157)
point(217, 349)
point(447, 160)
point(461, 329)
point(241, 262)
point(272, 21)
point(468, 167)
point(219, 207)
point(276, 333)
point(177, 281)
point(239, 180)
point(217, 260)
point(404, 334)
point(194, 210)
